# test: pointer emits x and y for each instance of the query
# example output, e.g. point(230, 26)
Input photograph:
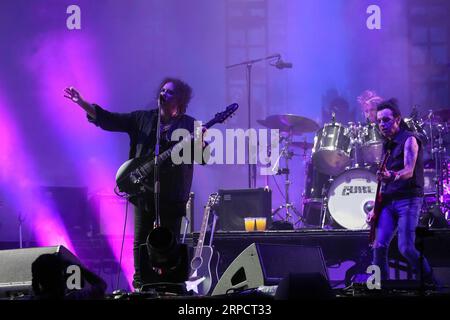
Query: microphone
point(280, 64)
point(161, 100)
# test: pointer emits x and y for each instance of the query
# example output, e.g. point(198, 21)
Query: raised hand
point(73, 94)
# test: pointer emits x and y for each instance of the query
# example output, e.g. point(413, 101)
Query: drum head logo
point(347, 190)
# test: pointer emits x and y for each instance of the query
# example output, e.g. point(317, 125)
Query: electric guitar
point(378, 202)
point(132, 176)
point(205, 261)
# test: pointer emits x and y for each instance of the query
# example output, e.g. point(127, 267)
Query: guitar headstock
point(220, 117)
point(213, 200)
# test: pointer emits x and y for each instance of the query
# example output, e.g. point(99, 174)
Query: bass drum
point(351, 197)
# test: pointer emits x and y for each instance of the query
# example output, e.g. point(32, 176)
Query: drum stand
point(287, 155)
point(324, 208)
point(438, 155)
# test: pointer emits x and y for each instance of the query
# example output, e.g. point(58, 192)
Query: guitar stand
point(324, 214)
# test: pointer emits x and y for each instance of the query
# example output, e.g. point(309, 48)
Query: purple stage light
point(70, 60)
point(19, 184)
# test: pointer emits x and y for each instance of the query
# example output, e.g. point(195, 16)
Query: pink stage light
point(112, 223)
point(61, 60)
point(19, 184)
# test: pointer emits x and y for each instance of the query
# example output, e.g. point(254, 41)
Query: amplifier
point(235, 205)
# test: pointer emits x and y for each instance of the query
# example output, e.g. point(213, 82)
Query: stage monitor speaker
point(235, 205)
point(267, 264)
point(15, 267)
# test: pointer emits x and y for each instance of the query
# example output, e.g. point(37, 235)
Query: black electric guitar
point(132, 176)
point(378, 202)
point(205, 261)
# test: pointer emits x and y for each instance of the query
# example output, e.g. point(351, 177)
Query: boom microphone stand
point(249, 63)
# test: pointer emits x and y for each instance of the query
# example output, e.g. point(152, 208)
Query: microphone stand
point(157, 222)
point(21, 220)
point(249, 64)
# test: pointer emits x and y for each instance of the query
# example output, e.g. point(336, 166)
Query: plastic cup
point(260, 223)
point(249, 224)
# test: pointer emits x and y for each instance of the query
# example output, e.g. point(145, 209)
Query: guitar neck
point(147, 167)
point(378, 201)
point(202, 235)
point(381, 169)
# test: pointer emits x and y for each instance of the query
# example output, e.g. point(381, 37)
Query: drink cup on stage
point(260, 223)
point(249, 224)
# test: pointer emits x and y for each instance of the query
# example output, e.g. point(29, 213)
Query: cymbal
point(290, 123)
point(302, 144)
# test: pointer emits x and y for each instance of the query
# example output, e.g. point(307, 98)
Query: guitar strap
point(146, 148)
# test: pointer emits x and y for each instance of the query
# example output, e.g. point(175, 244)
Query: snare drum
point(372, 144)
point(351, 197)
point(331, 151)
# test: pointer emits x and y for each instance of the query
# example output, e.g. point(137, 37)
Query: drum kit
point(340, 172)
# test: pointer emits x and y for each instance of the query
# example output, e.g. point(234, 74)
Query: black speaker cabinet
point(267, 264)
point(71, 204)
point(235, 205)
point(15, 267)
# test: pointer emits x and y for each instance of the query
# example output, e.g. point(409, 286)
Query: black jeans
point(171, 215)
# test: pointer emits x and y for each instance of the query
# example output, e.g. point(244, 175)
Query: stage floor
point(342, 249)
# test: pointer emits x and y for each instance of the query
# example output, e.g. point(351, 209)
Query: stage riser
point(341, 248)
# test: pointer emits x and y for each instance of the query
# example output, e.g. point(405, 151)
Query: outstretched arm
point(111, 121)
point(73, 94)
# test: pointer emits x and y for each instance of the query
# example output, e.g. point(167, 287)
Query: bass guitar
point(378, 202)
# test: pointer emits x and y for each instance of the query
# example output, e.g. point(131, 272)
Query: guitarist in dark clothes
point(175, 180)
point(402, 191)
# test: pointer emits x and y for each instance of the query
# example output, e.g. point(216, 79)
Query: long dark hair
point(183, 92)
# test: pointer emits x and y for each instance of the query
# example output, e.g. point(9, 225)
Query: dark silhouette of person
point(49, 280)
